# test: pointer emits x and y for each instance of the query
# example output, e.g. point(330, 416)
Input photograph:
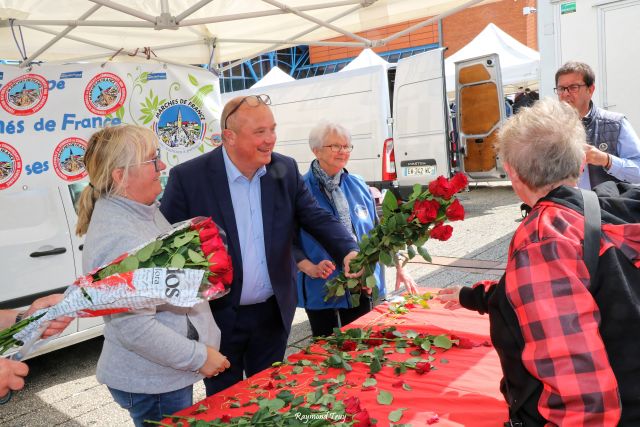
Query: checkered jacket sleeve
point(547, 285)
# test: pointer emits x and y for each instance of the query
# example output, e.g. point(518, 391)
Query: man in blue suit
point(258, 197)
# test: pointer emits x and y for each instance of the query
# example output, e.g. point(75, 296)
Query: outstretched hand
point(450, 297)
point(55, 326)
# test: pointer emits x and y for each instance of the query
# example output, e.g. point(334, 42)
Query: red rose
point(441, 232)
point(455, 211)
point(465, 343)
point(433, 419)
point(269, 386)
point(423, 367)
point(361, 419)
point(226, 418)
point(348, 345)
point(390, 335)
point(398, 384)
point(458, 182)
point(425, 210)
point(375, 339)
point(441, 187)
point(352, 405)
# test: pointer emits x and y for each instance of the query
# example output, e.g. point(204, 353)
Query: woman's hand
point(450, 297)
point(321, 270)
point(404, 279)
point(216, 362)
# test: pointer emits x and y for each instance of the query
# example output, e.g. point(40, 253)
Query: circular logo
point(104, 94)
point(216, 139)
point(603, 146)
point(180, 126)
point(361, 211)
point(68, 159)
point(24, 95)
point(10, 165)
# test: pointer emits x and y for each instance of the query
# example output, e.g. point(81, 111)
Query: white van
point(41, 253)
point(398, 118)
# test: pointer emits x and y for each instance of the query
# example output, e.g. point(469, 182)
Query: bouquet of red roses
point(403, 226)
point(183, 267)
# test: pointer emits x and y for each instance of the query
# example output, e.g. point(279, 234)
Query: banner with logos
point(48, 113)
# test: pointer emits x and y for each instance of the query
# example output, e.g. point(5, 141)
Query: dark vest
point(603, 130)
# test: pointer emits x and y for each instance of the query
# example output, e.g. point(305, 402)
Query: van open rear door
point(480, 113)
point(420, 120)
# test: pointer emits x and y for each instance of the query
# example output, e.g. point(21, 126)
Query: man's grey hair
point(324, 128)
point(544, 143)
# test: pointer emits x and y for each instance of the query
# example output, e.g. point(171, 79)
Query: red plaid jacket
point(548, 287)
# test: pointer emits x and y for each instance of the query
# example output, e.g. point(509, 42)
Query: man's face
point(582, 95)
point(251, 138)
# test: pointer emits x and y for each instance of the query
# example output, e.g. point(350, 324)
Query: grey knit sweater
point(147, 351)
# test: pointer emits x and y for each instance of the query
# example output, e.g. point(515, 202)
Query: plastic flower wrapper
point(183, 267)
point(407, 226)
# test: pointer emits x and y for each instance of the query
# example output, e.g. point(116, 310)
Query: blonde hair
point(543, 143)
point(108, 149)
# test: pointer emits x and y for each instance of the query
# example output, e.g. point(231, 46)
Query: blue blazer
point(199, 187)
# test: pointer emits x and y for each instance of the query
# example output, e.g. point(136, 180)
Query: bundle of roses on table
point(407, 226)
point(323, 383)
point(182, 267)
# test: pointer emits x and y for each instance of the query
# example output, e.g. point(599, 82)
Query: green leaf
point(442, 341)
point(406, 386)
point(355, 300)
point(177, 261)
point(386, 258)
point(297, 401)
point(146, 252)
point(340, 291)
point(201, 94)
point(375, 366)
point(182, 239)
point(193, 80)
point(422, 251)
point(411, 251)
point(394, 416)
point(130, 263)
point(417, 189)
point(297, 370)
point(371, 282)
point(390, 202)
point(369, 382)
point(272, 404)
point(120, 113)
point(286, 396)
point(385, 398)
point(352, 283)
point(195, 256)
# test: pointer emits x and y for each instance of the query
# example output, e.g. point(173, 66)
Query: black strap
point(592, 225)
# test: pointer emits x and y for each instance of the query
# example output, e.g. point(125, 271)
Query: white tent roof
point(518, 63)
point(274, 76)
point(184, 31)
point(367, 58)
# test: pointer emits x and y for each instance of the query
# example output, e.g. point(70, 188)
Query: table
point(462, 389)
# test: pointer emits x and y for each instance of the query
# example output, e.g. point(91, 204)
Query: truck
point(398, 116)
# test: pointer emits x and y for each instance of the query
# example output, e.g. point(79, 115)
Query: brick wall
point(458, 30)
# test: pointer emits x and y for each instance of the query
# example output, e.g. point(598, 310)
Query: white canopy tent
point(366, 58)
point(197, 31)
point(518, 63)
point(273, 77)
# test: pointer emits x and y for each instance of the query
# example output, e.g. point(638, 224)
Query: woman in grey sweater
point(151, 358)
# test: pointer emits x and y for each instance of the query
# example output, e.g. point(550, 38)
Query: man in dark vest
point(613, 153)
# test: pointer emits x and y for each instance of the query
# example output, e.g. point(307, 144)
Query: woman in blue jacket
point(347, 197)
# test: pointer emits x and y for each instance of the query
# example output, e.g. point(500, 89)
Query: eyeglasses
point(571, 88)
point(337, 148)
point(252, 101)
point(155, 161)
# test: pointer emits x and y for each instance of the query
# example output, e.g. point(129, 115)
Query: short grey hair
point(324, 128)
point(543, 143)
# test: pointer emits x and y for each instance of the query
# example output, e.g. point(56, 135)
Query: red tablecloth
point(462, 390)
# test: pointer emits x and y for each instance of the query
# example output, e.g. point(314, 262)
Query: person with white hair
point(347, 197)
point(558, 314)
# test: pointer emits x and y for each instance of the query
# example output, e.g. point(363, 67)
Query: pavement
point(62, 389)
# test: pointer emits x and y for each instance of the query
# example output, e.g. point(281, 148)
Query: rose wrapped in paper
point(407, 226)
point(183, 267)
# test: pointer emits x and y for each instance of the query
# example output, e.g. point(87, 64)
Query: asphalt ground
point(62, 389)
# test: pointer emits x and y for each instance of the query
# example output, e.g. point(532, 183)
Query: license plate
point(419, 170)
